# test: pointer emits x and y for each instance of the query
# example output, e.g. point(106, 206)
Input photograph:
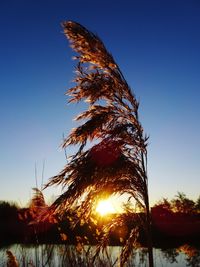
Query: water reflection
point(65, 255)
point(192, 255)
point(170, 255)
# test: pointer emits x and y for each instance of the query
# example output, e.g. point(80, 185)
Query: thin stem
point(148, 215)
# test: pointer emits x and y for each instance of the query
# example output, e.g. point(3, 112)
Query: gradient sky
point(157, 46)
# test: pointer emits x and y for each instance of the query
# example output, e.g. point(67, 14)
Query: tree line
point(179, 204)
point(19, 224)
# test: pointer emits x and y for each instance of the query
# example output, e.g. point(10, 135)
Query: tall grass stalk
point(117, 163)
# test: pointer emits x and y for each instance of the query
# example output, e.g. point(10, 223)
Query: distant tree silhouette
point(8, 210)
point(10, 227)
point(183, 204)
point(197, 205)
point(179, 205)
point(162, 208)
point(165, 204)
point(116, 162)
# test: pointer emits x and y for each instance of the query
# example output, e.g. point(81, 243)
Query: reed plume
point(117, 163)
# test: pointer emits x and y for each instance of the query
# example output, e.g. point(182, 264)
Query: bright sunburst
point(105, 207)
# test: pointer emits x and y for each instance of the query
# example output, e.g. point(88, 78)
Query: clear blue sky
point(157, 46)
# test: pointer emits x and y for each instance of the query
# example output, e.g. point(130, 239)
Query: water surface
point(74, 256)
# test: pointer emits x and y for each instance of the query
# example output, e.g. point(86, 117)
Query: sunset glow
point(105, 207)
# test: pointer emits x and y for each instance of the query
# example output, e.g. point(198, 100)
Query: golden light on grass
point(105, 207)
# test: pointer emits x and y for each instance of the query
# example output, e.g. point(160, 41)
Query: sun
point(105, 207)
